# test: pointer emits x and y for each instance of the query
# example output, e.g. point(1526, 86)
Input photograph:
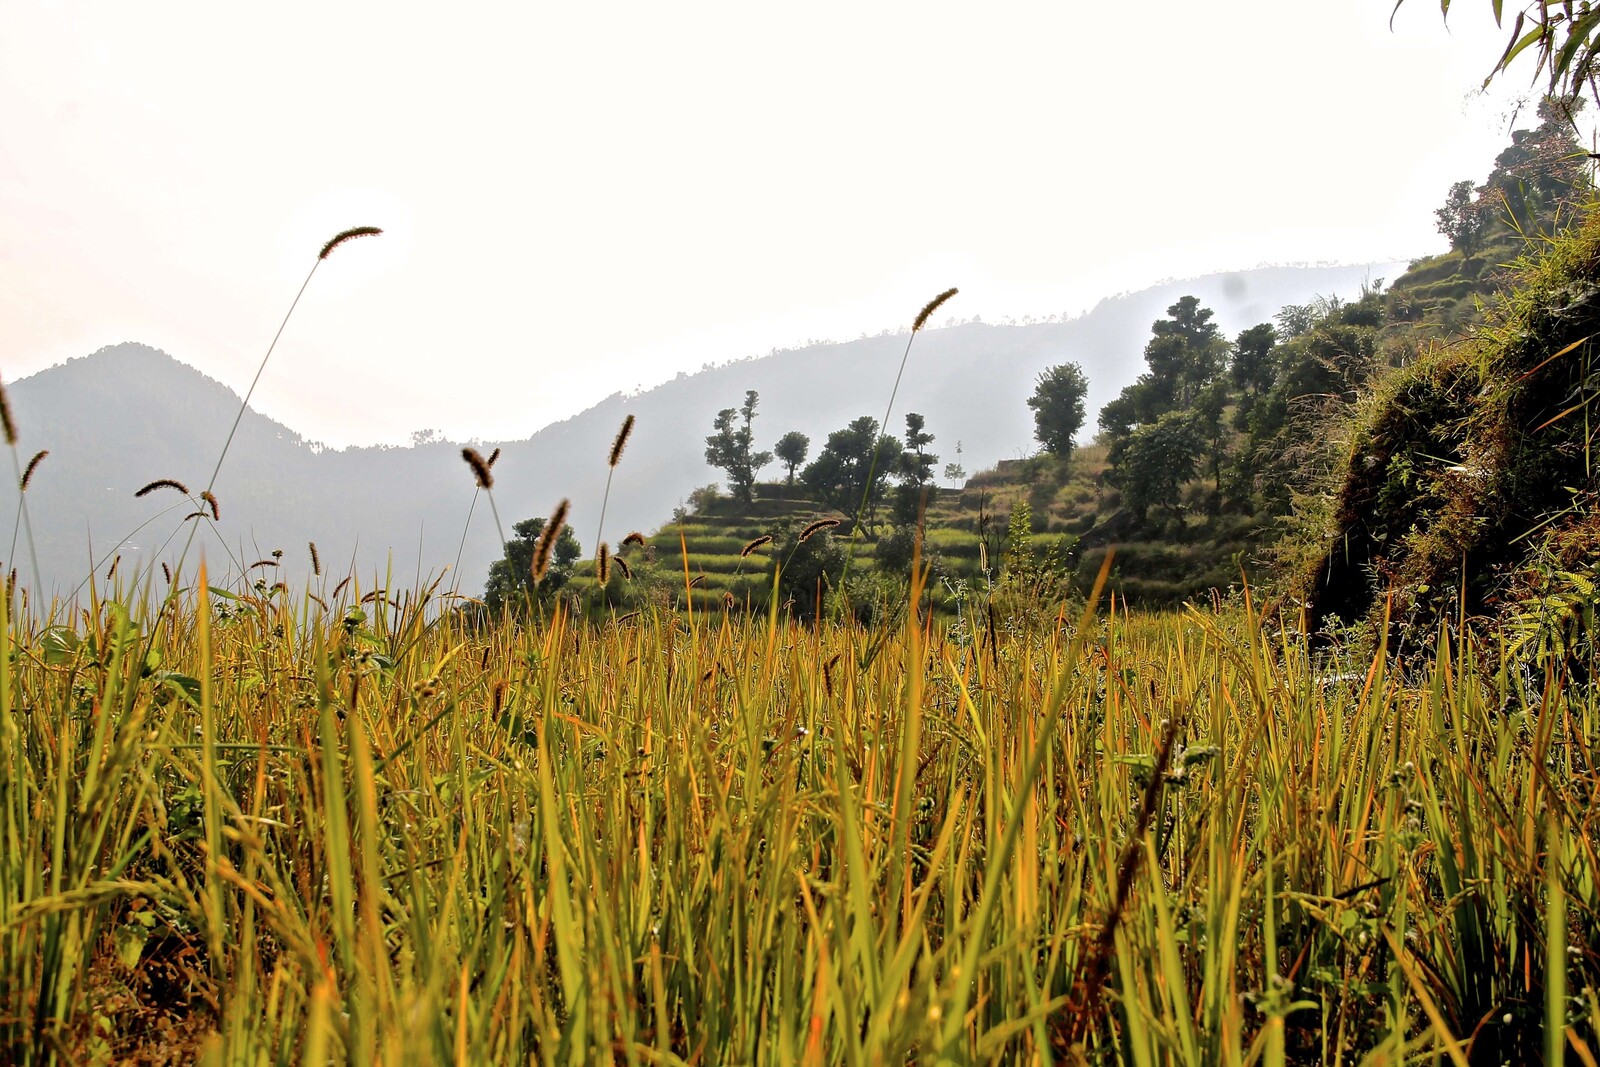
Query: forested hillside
point(1226, 459)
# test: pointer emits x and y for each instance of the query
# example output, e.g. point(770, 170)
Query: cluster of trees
point(511, 577)
point(859, 465)
point(1161, 427)
point(1540, 171)
point(1239, 416)
point(856, 468)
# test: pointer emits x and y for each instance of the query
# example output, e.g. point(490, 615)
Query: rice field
point(237, 826)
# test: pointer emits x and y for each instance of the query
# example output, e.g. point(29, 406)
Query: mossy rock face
point(1473, 458)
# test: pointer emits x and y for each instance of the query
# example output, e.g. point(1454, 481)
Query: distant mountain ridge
point(126, 415)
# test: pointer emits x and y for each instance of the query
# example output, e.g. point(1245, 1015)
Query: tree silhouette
point(1463, 219)
point(1057, 404)
point(916, 463)
point(838, 476)
point(792, 449)
point(730, 448)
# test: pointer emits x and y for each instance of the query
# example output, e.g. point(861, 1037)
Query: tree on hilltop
point(1185, 354)
point(916, 463)
point(730, 448)
point(838, 476)
point(918, 489)
point(1463, 219)
point(1057, 404)
point(792, 449)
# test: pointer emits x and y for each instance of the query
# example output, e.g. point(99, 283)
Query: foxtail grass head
point(33, 465)
point(930, 307)
point(635, 538)
point(545, 550)
point(602, 563)
point(163, 483)
point(347, 235)
point(6, 422)
point(316, 560)
point(622, 565)
point(754, 545)
point(210, 499)
point(621, 442)
point(493, 457)
point(480, 467)
point(815, 528)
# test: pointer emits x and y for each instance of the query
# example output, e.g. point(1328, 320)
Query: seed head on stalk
point(612, 459)
point(872, 469)
point(547, 541)
point(327, 250)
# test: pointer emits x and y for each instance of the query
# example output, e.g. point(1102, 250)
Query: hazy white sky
point(582, 198)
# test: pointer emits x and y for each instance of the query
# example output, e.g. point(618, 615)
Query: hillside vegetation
point(1229, 461)
point(1471, 479)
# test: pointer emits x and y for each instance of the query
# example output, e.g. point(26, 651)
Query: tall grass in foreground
point(256, 831)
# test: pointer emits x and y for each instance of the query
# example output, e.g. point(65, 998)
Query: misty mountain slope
point(972, 382)
point(128, 414)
